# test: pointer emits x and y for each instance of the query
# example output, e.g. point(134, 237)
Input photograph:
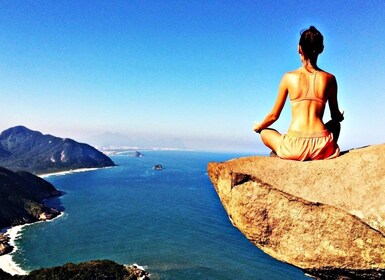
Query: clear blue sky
point(192, 74)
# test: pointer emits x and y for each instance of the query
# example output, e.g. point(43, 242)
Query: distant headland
point(28, 150)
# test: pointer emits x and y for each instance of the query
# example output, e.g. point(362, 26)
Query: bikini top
point(310, 94)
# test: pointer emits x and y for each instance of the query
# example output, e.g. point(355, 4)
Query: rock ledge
point(325, 217)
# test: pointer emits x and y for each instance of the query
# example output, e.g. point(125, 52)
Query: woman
point(309, 88)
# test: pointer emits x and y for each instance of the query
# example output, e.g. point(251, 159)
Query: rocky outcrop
point(5, 248)
point(101, 269)
point(25, 149)
point(325, 217)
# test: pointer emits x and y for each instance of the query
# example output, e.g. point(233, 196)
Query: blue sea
point(170, 221)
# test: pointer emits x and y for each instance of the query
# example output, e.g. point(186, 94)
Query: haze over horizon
point(179, 74)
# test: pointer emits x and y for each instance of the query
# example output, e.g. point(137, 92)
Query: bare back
point(308, 93)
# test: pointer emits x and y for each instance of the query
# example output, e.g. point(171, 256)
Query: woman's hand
point(339, 116)
point(257, 127)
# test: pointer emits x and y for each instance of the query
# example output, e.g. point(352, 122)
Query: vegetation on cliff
point(21, 201)
point(103, 269)
point(21, 197)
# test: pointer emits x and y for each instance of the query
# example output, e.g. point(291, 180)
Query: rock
point(5, 248)
point(135, 154)
point(157, 167)
point(138, 271)
point(325, 217)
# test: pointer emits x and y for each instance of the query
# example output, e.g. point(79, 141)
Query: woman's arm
point(278, 106)
point(335, 112)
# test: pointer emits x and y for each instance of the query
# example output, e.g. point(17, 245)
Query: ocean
point(170, 221)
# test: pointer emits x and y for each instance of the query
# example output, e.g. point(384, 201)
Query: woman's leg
point(334, 127)
point(271, 138)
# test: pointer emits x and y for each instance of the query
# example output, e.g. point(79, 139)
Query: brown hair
point(311, 42)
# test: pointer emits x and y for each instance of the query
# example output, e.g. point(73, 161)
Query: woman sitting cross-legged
point(309, 89)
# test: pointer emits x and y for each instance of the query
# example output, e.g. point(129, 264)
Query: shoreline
point(71, 171)
point(7, 263)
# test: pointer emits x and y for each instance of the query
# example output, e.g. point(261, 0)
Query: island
point(326, 217)
point(135, 154)
point(157, 167)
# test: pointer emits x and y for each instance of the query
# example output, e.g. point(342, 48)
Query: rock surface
point(25, 149)
point(5, 248)
point(325, 217)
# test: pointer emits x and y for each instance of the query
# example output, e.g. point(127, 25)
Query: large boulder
point(325, 217)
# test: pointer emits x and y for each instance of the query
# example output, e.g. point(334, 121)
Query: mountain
point(25, 149)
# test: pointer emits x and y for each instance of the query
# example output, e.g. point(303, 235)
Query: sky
point(182, 74)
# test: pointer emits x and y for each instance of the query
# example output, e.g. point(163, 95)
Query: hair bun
point(311, 42)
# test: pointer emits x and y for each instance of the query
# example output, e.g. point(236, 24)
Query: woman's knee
point(270, 137)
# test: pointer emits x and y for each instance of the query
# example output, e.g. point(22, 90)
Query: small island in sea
point(157, 167)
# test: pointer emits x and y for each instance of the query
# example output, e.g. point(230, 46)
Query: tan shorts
point(301, 146)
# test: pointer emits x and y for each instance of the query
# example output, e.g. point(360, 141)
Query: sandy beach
point(66, 172)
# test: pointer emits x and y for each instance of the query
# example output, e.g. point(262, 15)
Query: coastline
point(72, 171)
point(7, 263)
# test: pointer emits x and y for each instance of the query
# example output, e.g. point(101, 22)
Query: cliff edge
point(325, 217)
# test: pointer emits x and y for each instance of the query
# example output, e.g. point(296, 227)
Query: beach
point(45, 175)
point(6, 262)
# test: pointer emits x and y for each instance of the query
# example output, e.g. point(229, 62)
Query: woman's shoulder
point(294, 72)
point(326, 75)
point(291, 76)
